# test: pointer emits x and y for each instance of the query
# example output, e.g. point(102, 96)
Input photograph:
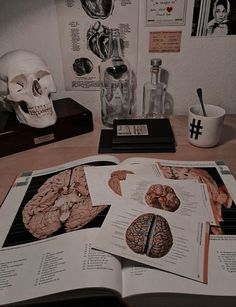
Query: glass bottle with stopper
point(115, 83)
point(154, 93)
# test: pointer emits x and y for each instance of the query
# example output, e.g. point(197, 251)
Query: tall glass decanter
point(154, 93)
point(115, 83)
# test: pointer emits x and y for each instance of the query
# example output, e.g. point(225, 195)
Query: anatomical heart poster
point(84, 30)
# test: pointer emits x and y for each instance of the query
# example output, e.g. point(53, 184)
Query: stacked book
point(138, 135)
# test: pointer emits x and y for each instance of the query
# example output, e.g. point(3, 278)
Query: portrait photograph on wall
point(214, 18)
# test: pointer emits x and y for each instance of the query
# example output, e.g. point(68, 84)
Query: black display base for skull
point(72, 119)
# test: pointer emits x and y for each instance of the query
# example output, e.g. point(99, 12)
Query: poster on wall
point(165, 13)
point(214, 18)
point(84, 28)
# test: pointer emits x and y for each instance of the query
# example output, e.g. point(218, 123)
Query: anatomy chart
point(84, 29)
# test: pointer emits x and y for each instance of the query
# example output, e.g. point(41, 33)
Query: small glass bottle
point(115, 83)
point(154, 93)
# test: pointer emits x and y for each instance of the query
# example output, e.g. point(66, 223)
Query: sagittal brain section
point(162, 197)
point(63, 200)
point(149, 235)
point(115, 178)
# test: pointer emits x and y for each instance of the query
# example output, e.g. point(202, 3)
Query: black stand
point(138, 135)
point(72, 119)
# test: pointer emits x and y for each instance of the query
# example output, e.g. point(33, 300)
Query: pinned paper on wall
point(165, 13)
point(84, 29)
point(165, 41)
point(214, 18)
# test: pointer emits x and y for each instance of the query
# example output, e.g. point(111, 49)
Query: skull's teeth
point(41, 110)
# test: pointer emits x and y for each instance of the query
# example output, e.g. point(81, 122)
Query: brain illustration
point(149, 234)
point(162, 197)
point(219, 195)
point(63, 200)
point(116, 177)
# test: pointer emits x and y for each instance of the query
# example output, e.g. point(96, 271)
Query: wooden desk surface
point(87, 145)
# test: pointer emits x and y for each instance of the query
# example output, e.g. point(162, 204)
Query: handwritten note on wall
point(165, 13)
point(165, 41)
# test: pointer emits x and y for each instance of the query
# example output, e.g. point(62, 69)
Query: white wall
point(209, 63)
point(204, 62)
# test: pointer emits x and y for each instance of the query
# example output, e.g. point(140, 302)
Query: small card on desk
point(138, 135)
point(142, 131)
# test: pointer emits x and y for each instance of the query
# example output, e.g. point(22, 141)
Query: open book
point(49, 226)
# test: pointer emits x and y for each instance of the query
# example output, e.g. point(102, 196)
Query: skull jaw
point(35, 121)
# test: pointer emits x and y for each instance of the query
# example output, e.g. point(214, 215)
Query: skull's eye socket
point(45, 80)
point(18, 83)
point(41, 74)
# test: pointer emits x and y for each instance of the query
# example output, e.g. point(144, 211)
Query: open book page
point(217, 177)
point(109, 177)
point(140, 279)
point(55, 265)
point(158, 238)
point(188, 198)
point(47, 227)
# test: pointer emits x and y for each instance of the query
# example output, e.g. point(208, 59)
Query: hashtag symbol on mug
point(195, 129)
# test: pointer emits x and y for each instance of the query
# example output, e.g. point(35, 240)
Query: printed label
point(127, 130)
point(44, 139)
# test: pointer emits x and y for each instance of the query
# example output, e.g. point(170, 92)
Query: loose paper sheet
point(104, 181)
point(126, 232)
point(187, 198)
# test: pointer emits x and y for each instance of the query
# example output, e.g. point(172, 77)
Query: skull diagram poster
point(84, 28)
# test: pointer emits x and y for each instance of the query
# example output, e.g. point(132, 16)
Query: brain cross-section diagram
point(63, 200)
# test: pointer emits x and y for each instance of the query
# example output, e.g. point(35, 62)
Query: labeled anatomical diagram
point(162, 197)
point(100, 9)
point(82, 66)
point(149, 235)
point(98, 40)
point(116, 177)
point(219, 196)
point(62, 201)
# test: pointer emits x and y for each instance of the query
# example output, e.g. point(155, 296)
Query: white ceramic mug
point(205, 131)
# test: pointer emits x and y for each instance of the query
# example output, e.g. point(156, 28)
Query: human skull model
point(26, 84)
